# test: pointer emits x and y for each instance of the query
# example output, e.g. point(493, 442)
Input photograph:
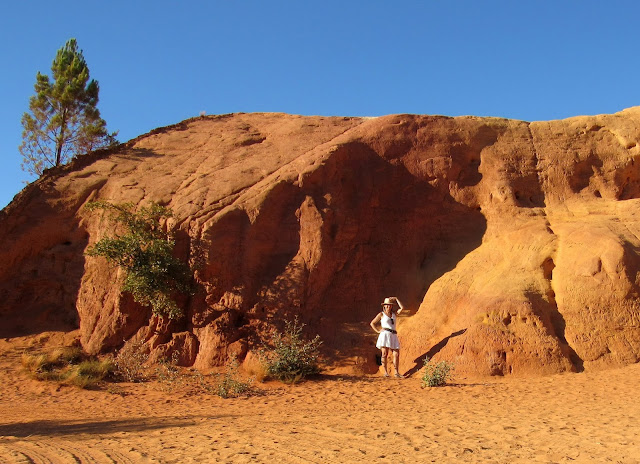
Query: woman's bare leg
point(385, 352)
point(396, 360)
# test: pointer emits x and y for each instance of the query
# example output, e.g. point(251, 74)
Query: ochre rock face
point(513, 245)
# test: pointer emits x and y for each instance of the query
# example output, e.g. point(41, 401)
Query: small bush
point(130, 363)
point(290, 357)
point(230, 385)
point(436, 375)
point(168, 373)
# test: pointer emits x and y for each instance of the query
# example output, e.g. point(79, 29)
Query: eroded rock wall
point(512, 244)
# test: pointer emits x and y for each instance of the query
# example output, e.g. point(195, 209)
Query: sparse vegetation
point(71, 366)
point(168, 373)
point(68, 366)
point(288, 356)
point(227, 385)
point(145, 253)
point(129, 363)
point(231, 385)
point(436, 375)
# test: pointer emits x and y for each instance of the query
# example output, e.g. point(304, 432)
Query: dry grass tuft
point(67, 366)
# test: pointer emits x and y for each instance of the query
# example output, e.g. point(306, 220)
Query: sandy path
point(584, 418)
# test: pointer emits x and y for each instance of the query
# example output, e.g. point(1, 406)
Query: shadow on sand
point(74, 427)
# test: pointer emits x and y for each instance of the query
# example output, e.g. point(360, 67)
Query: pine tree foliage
point(145, 253)
point(63, 119)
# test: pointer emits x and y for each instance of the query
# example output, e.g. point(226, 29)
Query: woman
point(388, 338)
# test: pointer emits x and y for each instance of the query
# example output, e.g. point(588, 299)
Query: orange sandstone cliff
point(513, 245)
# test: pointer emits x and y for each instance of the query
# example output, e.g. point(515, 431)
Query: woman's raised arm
point(400, 305)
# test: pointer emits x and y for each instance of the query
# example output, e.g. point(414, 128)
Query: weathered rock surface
point(514, 245)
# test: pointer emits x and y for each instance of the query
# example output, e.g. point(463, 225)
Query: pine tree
point(63, 120)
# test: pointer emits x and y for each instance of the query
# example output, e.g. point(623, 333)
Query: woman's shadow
point(419, 361)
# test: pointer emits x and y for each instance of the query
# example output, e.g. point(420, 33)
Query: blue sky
point(159, 62)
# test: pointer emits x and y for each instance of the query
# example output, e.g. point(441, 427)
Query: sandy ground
point(583, 418)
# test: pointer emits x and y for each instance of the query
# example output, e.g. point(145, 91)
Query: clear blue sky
point(159, 62)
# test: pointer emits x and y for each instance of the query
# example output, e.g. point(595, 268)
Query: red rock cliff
point(514, 245)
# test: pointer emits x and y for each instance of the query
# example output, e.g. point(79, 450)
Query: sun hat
point(387, 301)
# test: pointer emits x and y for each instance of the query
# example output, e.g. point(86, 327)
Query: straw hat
point(388, 301)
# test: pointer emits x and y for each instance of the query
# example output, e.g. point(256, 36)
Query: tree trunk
point(60, 140)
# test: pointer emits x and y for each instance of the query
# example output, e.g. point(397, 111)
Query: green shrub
point(289, 357)
point(145, 253)
point(436, 375)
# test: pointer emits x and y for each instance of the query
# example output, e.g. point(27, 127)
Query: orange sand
point(589, 417)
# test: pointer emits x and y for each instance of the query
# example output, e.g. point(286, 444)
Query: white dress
point(386, 338)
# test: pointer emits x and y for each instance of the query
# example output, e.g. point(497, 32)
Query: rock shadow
point(395, 234)
point(435, 349)
point(40, 290)
point(249, 257)
point(138, 154)
point(549, 313)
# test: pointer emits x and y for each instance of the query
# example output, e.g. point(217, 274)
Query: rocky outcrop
point(514, 245)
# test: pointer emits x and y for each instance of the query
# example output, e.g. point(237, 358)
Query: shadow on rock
point(435, 349)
